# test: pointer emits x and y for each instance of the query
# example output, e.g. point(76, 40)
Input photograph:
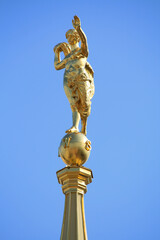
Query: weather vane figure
point(78, 75)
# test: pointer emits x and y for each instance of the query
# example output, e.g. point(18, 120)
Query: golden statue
point(78, 76)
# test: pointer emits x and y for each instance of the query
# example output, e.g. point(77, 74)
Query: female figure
point(78, 76)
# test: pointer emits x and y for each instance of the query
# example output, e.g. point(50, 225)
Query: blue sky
point(124, 126)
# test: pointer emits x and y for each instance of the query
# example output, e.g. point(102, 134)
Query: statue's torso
point(74, 68)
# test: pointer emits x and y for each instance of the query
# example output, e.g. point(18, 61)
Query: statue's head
point(72, 36)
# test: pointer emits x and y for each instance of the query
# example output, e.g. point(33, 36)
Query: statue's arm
point(84, 46)
point(58, 64)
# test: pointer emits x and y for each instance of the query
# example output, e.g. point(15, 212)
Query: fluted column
point(74, 182)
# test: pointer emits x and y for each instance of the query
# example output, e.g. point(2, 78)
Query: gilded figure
point(78, 76)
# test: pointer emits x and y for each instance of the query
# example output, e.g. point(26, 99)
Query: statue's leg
point(76, 119)
point(86, 108)
point(75, 114)
point(85, 104)
point(84, 125)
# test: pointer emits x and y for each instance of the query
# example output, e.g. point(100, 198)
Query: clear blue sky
point(123, 201)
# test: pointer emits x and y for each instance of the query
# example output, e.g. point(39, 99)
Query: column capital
point(74, 179)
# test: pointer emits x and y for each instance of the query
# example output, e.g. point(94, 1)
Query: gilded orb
point(74, 149)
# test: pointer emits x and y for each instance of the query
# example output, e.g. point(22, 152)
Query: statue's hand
point(58, 48)
point(76, 22)
point(62, 47)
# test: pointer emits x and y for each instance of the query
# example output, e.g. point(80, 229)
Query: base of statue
point(74, 182)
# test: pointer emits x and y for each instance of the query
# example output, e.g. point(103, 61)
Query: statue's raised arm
point(77, 25)
point(78, 76)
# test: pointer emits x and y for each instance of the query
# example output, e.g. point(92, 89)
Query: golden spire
point(75, 147)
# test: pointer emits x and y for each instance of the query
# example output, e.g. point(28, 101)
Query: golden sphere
point(74, 149)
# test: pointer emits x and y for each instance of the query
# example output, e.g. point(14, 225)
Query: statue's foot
point(72, 130)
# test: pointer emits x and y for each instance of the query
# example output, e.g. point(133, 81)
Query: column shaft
point(74, 181)
point(74, 226)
